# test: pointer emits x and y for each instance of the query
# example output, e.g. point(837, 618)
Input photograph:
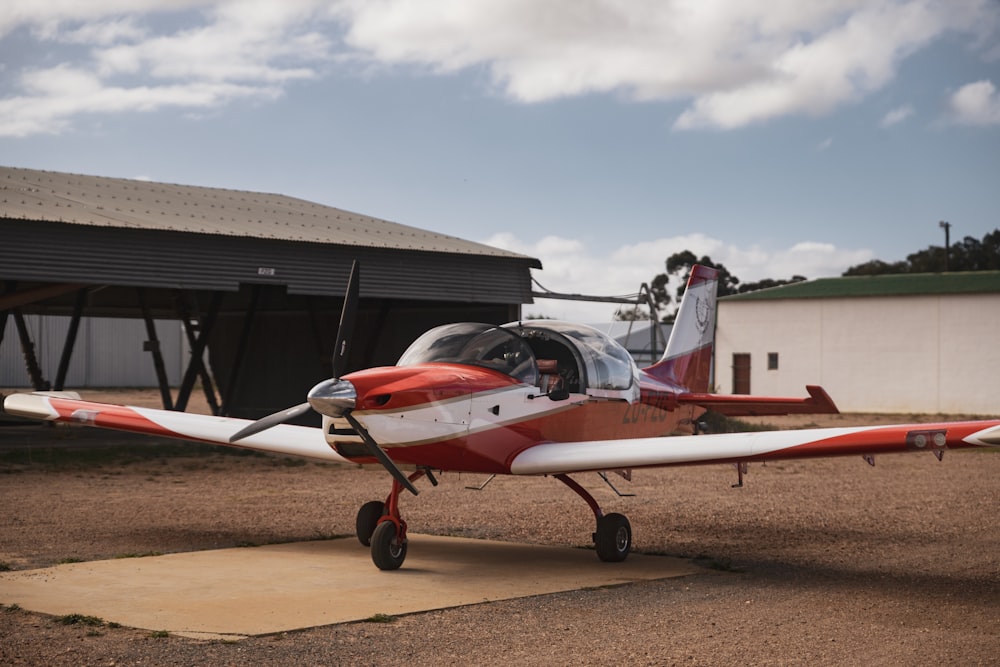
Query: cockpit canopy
point(585, 359)
point(475, 344)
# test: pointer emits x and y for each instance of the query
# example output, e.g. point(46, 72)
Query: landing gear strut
point(613, 536)
point(380, 526)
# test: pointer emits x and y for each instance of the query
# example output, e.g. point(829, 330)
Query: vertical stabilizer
point(687, 360)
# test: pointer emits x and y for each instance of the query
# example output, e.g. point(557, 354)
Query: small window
point(772, 361)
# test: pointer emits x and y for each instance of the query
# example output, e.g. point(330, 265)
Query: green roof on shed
point(895, 284)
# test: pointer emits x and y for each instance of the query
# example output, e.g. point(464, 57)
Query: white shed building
point(909, 343)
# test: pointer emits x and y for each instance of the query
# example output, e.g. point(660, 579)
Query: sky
point(778, 137)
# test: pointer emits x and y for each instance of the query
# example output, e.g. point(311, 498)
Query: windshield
point(607, 365)
point(477, 344)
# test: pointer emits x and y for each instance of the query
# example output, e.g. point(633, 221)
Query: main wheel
point(613, 538)
point(368, 517)
point(388, 551)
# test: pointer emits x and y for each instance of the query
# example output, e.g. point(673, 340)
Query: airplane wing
point(598, 455)
point(743, 405)
point(66, 407)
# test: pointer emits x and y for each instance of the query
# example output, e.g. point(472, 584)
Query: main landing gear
point(380, 527)
point(613, 537)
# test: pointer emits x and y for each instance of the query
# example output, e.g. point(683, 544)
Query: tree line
point(969, 254)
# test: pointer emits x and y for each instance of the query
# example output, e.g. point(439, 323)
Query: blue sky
point(777, 137)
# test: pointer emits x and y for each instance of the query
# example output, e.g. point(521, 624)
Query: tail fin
point(687, 360)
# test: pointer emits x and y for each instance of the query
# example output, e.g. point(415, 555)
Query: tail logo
point(702, 314)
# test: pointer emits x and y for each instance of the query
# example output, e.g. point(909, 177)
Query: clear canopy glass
point(589, 360)
point(477, 344)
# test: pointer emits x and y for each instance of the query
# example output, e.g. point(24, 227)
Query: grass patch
point(144, 554)
point(78, 449)
point(159, 634)
point(381, 618)
point(5, 566)
point(718, 423)
point(90, 453)
point(80, 619)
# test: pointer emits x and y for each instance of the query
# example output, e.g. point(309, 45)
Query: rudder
point(687, 360)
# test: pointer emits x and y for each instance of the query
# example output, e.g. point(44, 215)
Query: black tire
point(368, 517)
point(388, 552)
point(613, 538)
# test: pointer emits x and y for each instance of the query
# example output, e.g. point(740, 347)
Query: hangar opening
point(254, 280)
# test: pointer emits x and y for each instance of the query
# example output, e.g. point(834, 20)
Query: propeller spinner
point(335, 397)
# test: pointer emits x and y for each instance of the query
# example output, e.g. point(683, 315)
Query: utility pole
point(946, 226)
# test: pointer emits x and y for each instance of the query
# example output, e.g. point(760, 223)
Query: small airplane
point(539, 397)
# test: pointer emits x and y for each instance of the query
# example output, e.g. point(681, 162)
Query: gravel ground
point(823, 562)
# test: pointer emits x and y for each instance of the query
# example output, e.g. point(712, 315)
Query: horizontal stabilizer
point(745, 405)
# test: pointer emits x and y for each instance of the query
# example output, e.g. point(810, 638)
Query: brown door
point(741, 373)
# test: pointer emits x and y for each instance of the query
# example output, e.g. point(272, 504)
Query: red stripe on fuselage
point(491, 450)
point(403, 387)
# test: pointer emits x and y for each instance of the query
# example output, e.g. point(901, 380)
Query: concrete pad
point(260, 590)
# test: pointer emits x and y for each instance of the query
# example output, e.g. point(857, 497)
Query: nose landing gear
point(380, 526)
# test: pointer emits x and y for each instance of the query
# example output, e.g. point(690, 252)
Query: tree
point(679, 266)
point(632, 315)
point(969, 254)
point(876, 267)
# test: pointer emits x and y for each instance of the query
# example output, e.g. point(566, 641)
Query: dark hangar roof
point(29, 194)
point(70, 228)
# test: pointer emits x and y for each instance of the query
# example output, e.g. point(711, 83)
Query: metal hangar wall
point(257, 280)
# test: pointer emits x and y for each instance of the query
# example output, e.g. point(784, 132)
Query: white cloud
point(976, 104)
point(897, 116)
point(57, 94)
point(569, 266)
point(237, 50)
point(735, 63)
point(740, 62)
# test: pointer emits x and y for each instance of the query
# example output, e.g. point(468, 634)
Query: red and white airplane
point(527, 398)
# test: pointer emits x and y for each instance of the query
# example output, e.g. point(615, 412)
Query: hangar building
point(909, 343)
point(256, 279)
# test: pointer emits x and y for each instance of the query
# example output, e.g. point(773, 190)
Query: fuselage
point(479, 413)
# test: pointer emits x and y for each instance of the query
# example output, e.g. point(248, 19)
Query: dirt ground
point(822, 562)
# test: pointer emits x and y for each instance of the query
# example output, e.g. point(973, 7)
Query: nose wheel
point(388, 546)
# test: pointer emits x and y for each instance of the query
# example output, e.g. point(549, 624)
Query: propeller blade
point(347, 316)
point(267, 422)
point(379, 453)
point(340, 350)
